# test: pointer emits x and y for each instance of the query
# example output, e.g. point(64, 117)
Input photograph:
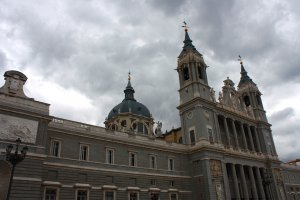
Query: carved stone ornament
point(190, 115)
point(220, 191)
point(215, 168)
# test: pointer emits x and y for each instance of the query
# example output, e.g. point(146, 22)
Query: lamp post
point(14, 159)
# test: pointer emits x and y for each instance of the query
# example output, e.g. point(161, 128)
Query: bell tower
point(250, 95)
point(195, 94)
point(192, 72)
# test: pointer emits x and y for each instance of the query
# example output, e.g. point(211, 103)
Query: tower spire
point(244, 74)
point(129, 91)
point(188, 45)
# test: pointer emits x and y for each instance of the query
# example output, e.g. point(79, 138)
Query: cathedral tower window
point(258, 99)
point(200, 73)
point(192, 137)
point(186, 75)
point(247, 100)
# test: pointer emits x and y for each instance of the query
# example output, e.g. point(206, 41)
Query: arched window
point(192, 137)
point(186, 74)
point(114, 127)
point(247, 100)
point(200, 74)
point(123, 123)
point(258, 99)
point(141, 128)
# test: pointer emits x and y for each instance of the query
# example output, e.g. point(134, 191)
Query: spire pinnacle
point(240, 59)
point(188, 43)
point(244, 74)
point(129, 91)
point(185, 26)
point(129, 76)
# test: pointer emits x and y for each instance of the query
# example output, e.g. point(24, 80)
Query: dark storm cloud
point(169, 7)
point(89, 47)
point(282, 115)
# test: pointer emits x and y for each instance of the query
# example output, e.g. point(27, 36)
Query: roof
point(129, 105)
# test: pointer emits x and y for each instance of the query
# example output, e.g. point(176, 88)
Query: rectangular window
point(171, 164)
point(153, 182)
point(132, 159)
point(109, 195)
point(82, 194)
point(154, 196)
point(172, 183)
point(84, 152)
point(110, 156)
point(210, 135)
point(173, 196)
point(55, 148)
point(152, 161)
point(133, 196)
point(51, 194)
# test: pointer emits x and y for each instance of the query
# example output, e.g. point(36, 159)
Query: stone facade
point(223, 150)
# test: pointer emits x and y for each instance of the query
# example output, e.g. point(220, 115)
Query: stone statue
point(213, 94)
point(220, 192)
point(220, 97)
point(158, 128)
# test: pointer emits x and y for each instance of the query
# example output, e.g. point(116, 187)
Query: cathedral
point(223, 150)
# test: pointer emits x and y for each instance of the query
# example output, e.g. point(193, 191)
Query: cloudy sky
point(77, 53)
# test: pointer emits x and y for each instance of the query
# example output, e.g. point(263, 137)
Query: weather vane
point(240, 59)
point(129, 76)
point(185, 26)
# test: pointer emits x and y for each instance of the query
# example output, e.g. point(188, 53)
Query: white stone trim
point(113, 170)
point(154, 190)
point(52, 183)
point(134, 188)
point(82, 185)
point(109, 187)
point(27, 179)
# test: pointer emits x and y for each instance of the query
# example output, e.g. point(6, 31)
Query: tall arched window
point(258, 99)
point(247, 100)
point(186, 74)
point(200, 74)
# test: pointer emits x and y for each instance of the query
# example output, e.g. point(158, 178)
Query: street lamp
point(14, 159)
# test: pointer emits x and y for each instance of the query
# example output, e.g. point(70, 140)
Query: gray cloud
point(282, 115)
point(89, 47)
point(3, 59)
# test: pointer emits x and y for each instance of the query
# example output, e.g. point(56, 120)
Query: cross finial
point(240, 59)
point(185, 26)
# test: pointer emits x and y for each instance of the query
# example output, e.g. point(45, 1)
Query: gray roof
point(129, 105)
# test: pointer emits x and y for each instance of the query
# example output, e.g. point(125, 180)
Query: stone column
point(235, 134)
point(257, 139)
point(259, 183)
point(218, 132)
point(250, 138)
point(244, 184)
point(226, 181)
point(235, 182)
point(253, 185)
point(244, 136)
point(226, 131)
